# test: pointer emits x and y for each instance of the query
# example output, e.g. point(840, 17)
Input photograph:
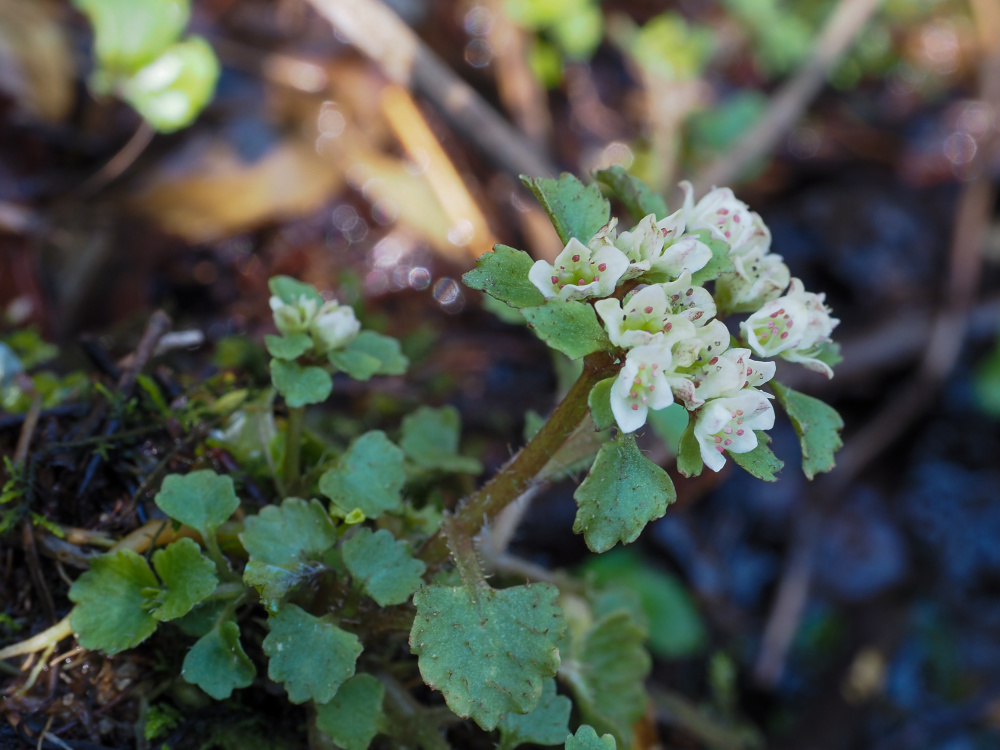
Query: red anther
point(713, 360)
point(718, 439)
point(635, 407)
point(784, 335)
point(603, 267)
point(739, 432)
point(576, 258)
point(720, 449)
point(555, 279)
point(648, 309)
point(668, 326)
point(728, 442)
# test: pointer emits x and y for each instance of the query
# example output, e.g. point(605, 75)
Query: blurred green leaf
point(430, 438)
point(301, 385)
point(217, 663)
point(352, 717)
point(288, 347)
point(369, 476)
point(818, 426)
point(370, 353)
point(129, 34)
point(201, 499)
point(637, 197)
point(546, 724)
point(569, 327)
point(187, 576)
point(383, 567)
point(586, 739)
point(760, 462)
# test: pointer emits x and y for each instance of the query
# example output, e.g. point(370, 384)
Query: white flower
point(759, 277)
point(794, 325)
point(723, 375)
point(333, 327)
point(580, 271)
point(693, 302)
point(644, 316)
point(294, 318)
point(641, 386)
point(720, 212)
point(709, 341)
point(728, 424)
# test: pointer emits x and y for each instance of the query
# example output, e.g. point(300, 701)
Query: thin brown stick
point(121, 161)
point(792, 99)
point(375, 30)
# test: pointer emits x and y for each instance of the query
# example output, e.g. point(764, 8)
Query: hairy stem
point(293, 446)
point(517, 476)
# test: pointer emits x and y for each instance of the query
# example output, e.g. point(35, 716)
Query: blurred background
point(373, 150)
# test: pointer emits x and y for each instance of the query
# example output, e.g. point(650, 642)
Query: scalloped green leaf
point(382, 566)
point(503, 274)
point(369, 476)
point(599, 402)
point(128, 34)
point(546, 724)
point(288, 347)
point(370, 353)
point(689, 460)
point(622, 493)
point(637, 197)
point(576, 210)
point(430, 438)
point(301, 385)
point(172, 90)
point(605, 670)
point(201, 499)
point(353, 717)
point(285, 544)
point(586, 739)
point(109, 615)
point(760, 462)
point(487, 651)
point(569, 327)
point(217, 663)
point(310, 655)
point(818, 426)
point(187, 576)
point(290, 290)
point(720, 262)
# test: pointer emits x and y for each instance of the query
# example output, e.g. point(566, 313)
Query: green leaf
point(720, 262)
point(586, 739)
point(576, 210)
point(675, 626)
point(174, 88)
point(217, 663)
point(368, 354)
point(818, 426)
point(637, 197)
point(201, 499)
point(487, 651)
point(288, 347)
point(599, 402)
point(760, 462)
point(200, 620)
point(689, 461)
point(310, 655)
point(622, 493)
point(352, 718)
point(369, 476)
point(109, 615)
point(503, 274)
point(284, 544)
point(383, 567)
point(187, 576)
point(569, 327)
point(290, 290)
point(669, 425)
point(128, 34)
point(430, 438)
point(606, 671)
point(300, 385)
point(546, 724)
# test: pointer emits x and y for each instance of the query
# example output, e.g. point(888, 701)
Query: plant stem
point(517, 476)
point(293, 446)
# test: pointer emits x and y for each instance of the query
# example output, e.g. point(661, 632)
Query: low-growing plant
point(371, 590)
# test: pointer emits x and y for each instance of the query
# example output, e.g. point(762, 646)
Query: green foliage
point(622, 493)
point(817, 424)
point(487, 651)
point(301, 385)
point(369, 476)
point(576, 210)
point(370, 353)
point(109, 615)
point(719, 264)
point(546, 724)
point(187, 577)
point(586, 739)
point(160, 719)
point(217, 663)
point(605, 669)
point(760, 462)
point(569, 327)
point(669, 425)
point(503, 274)
point(290, 290)
point(669, 47)
point(351, 719)
point(382, 566)
point(288, 347)
point(130, 34)
point(576, 26)
point(284, 544)
point(689, 461)
point(639, 200)
point(310, 655)
point(599, 402)
point(430, 440)
point(202, 499)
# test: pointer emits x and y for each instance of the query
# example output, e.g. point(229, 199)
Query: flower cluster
point(329, 324)
point(677, 349)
